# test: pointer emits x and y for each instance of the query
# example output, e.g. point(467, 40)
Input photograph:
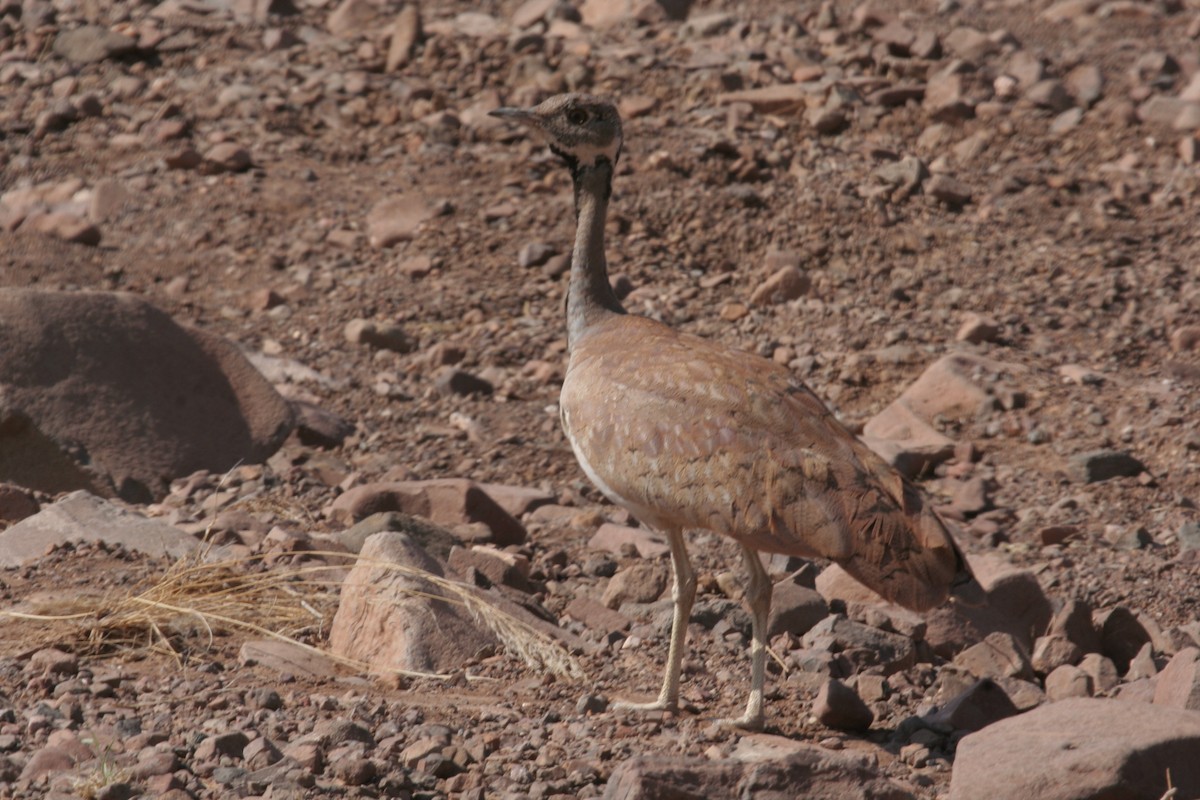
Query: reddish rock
point(950, 191)
point(795, 609)
point(229, 744)
point(517, 500)
point(1142, 665)
point(1068, 681)
point(905, 440)
point(351, 16)
point(1101, 670)
point(787, 283)
point(406, 32)
point(46, 761)
point(16, 503)
point(1185, 339)
point(392, 618)
point(227, 157)
point(1073, 622)
point(65, 226)
point(498, 566)
point(446, 501)
point(1081, 748)
point(381, 335)
point(977, 328)
point(954, 385)
point(863, 644)
point(838, 706)
point(288, 658)
point(1085, 84)
point(792, 772)
point(320, 427)
point(450, 381)
point(616, 538)
point(605, 13)
point(396, 219)
point(639, 583)
point(945, 100)
point(969, 43)
point(1179, 682)
point(52, 661)
point(597, 616)
point(980, 705)
point(1122, 635)
point(999, 655)
point(1102, 465)
point(1051, 652)
point(781, 98)
point(1016, 604)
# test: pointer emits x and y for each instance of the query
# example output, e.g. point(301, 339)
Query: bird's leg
point(684, 594)
point(758, 597)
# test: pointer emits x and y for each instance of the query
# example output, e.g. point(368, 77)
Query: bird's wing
point(728, 439)
point(705, 436)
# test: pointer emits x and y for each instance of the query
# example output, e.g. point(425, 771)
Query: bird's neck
point(590, 297)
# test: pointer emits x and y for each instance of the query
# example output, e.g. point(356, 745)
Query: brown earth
point(1068, 220)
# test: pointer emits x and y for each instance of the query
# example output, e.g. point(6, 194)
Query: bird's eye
point(577, 116)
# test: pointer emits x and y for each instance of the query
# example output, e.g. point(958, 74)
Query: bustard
point(686, 434)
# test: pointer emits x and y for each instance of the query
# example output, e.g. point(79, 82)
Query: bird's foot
point(752, 723)
point(654, 705)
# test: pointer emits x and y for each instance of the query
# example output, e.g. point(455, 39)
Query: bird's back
point(687, 433)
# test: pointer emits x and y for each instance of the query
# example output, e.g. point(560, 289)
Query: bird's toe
point(653, 705)
point(747, 722)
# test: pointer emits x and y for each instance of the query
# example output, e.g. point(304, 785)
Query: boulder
point(104, 392)
point(1082, 749)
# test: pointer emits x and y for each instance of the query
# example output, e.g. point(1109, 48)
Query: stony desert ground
point(293, 516)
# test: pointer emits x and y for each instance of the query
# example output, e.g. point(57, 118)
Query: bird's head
point(581, 128)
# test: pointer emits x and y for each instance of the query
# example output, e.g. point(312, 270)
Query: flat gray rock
point(92, 43)
point(82, 517)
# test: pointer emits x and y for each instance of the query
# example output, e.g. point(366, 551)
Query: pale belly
point(643, 513)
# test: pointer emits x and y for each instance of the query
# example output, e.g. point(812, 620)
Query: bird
point(687, 433)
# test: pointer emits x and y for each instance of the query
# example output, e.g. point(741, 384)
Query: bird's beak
point(521, 115)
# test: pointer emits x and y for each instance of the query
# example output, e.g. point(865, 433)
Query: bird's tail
point(909, 556)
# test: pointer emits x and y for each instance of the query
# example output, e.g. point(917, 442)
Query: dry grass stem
point(193, 599)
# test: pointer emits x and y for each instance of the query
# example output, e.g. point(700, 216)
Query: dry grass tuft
point(191, 600)
point(182, 611)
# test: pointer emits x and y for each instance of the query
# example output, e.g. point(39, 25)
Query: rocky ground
point(970, 227)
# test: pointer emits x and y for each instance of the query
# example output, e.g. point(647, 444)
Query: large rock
point(760, 769)
point(392, 618)
point(1082, 749)
point(104, 392)
point(82, 517)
